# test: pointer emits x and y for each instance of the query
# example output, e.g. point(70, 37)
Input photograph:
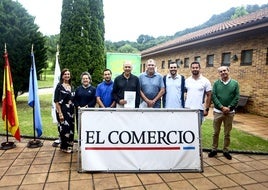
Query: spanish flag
point(9, 108)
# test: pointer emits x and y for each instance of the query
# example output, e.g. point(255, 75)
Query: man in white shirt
point(174, 84)
point(198, 89)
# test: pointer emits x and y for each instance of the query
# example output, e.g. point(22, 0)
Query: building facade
point(241, 44)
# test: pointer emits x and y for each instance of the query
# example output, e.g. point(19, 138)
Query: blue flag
point(33, 99)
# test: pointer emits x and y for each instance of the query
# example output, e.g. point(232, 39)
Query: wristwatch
point(207, 109)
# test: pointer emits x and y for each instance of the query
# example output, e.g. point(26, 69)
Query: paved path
point(47, 168)
point(41, 91)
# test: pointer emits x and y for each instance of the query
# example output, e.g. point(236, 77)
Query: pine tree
point(79, 51)
point(96, 38)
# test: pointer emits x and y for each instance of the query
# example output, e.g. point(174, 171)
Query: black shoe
point(227, 155)
point(212, 153)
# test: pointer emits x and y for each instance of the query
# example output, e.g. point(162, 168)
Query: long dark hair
point(62, 73)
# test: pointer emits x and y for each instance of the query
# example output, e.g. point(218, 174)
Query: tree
point(81, 38)
point(70, 35)
point(96, 40)
point(51, 43)
point(239, 11)
point(144, 38)
point(18, 31)
point(127, 48)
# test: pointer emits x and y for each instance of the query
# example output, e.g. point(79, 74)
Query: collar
point(225, 82)
point(200, 76)
point(146, 74)
point(86, 86)
point(169, 76)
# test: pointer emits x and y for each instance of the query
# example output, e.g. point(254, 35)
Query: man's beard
point(195, 72)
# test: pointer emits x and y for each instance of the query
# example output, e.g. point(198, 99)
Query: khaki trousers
point(227, 120)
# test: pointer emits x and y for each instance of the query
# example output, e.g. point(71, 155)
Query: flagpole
point(35, 143)
point(6, 104)
point(33, 96)
point(6, 145)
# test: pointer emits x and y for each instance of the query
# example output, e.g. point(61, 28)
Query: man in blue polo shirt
point(104, 91)
point(152, 86)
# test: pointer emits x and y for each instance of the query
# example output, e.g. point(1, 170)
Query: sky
point(127, 19)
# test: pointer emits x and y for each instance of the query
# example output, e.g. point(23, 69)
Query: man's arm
point(159, 95)
point(207, 103)
point(101, 105)
point(144, 97)
point(149, 102)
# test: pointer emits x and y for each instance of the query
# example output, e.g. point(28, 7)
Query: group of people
point(68, 101)
point(150, 90)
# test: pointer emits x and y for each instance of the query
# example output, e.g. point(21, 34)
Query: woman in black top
point(63, 98)
point(84, 94)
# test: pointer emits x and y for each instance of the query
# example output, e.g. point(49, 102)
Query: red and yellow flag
point(9, 108)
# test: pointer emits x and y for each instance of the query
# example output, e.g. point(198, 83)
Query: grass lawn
point(240, 141)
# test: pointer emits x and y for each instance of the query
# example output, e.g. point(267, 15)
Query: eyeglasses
point(173, 67)
point(223, 71)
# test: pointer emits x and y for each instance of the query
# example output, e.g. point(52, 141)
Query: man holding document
point(126, 88)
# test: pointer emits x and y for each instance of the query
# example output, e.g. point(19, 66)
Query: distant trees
point(82, 38)
point(143, 41)
point(51, 44)
point(239, 11)
point(18, 31)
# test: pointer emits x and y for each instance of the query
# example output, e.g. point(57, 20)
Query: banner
point(33, 99)
point(56, 81)
point(9, 108)
point(140, 140)
point(115, 62)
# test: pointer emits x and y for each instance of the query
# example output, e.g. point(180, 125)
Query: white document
point(130, 97)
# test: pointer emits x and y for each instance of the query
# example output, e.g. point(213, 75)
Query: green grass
point(240, 141)
point(26, 117)
point(46, 80)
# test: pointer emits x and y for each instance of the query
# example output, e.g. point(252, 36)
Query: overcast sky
point(127, 19)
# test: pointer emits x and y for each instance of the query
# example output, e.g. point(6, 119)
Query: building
point(241, 44)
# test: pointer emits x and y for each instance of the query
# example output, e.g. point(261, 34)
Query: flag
point(9, 108)
point(56, 81)
point(33, 99)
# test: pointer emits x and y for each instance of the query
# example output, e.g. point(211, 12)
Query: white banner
point(140, 140)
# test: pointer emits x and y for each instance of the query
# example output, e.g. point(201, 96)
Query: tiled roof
point(224, 27)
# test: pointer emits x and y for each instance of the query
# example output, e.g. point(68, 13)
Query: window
point(163, 65)
point(186, 62)
point(179, 63)
point(169, 62)
point(210, 60)
point(246, 57)
point(197, 58)
point(226, 59)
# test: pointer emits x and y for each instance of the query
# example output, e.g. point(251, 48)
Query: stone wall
point(253, 79)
